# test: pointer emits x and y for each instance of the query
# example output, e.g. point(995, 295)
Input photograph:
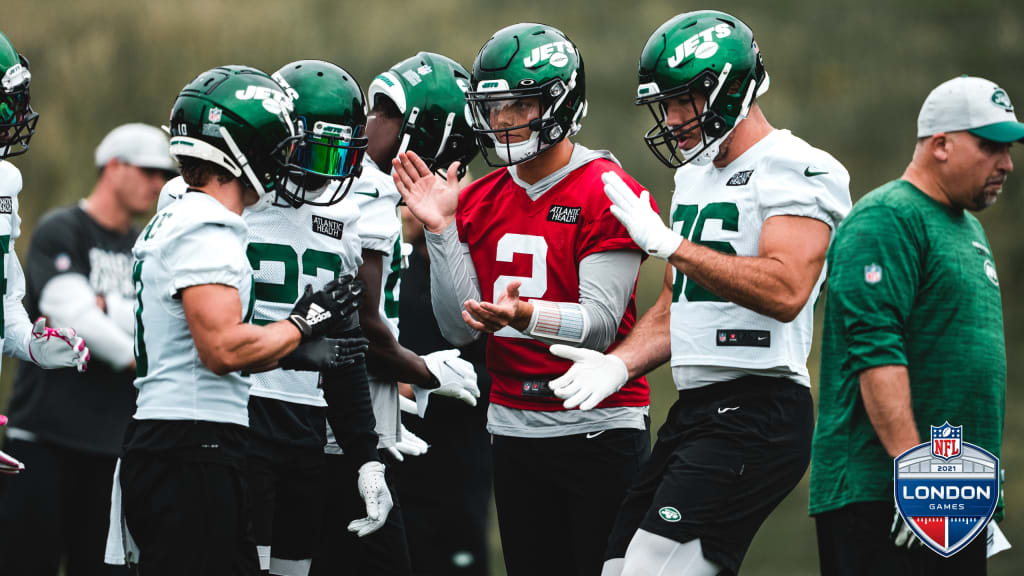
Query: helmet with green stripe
point(330, 132)
point(518, 64)
point(238, 118)
point(17, 119)
point(429, 91)
point(705, 52)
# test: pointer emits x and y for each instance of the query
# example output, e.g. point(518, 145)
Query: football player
point(751, 218)
point(416, 105)
point(183, 492)
point(47, 347)
point(307, 236)
point(534, 256)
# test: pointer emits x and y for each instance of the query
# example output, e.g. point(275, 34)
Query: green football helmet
point(17, 119)
point(706, 52)
point(330, 132)
point(238, 118)
point(429, 91)
point(526, 61)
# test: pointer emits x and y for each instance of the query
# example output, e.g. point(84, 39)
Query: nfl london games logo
point(947, 489)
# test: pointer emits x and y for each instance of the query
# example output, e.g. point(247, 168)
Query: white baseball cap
point(972, 104)
point(137, 144)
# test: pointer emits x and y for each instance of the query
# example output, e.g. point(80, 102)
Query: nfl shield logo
point(873, 274)
point(946, 492)
point(214, 115)
point(946, 441)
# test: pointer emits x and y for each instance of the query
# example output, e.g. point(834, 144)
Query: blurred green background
point(847, 76)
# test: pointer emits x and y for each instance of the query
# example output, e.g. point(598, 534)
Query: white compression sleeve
point(69, 300)
point(453, 280)
point(17, 326)
point(606, 284)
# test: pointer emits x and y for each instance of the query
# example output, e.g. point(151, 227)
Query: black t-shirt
point(87, 412)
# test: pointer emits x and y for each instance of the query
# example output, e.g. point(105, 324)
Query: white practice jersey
point(724, 208)
point(15, 326)
point(290, 248)
point(380, 229)
point(191, 242)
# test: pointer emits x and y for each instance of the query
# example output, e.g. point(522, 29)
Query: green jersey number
point(5, 248)
point(287, 292)
point(691, 222)
point(391, 283)
point(141, 357)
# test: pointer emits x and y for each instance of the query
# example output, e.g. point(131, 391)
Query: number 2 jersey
point(194, 241)
point(541, 243)
point(714, 340)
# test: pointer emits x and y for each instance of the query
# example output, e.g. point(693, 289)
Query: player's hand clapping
point(431, 199)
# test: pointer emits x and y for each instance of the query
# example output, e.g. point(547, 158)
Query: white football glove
point(409, 445)
point(407, 405)
point(457, 378)
point(592, 378)
point(641, 221)
point(57, 347)
point(374, 491)
point(901, 535)
point(8, 464)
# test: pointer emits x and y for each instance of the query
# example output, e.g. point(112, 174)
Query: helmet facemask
point(17, 119)
point(320, 155)
point(493, 98)
point(665, 139)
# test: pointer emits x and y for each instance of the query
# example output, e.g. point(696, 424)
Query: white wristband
point(563, 321)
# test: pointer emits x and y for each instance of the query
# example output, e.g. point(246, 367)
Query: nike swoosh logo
point(808, 172)
point(730, 409)
point(761, 338)
point(594, 434)
point(376, 193)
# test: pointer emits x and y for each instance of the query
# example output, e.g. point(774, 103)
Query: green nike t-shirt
point(911, 282)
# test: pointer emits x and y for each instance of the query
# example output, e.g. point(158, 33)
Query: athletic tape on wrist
point(558, 321)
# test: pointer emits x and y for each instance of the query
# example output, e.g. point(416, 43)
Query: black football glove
point(329, 309)
point(326, 354)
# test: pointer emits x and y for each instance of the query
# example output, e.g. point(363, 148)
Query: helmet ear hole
point(551, 135)
point(714, 126)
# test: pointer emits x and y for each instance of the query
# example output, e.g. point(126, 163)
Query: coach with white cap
point(65, 426)
point(913, 333)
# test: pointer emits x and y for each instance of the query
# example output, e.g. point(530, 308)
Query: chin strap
point(243, 162)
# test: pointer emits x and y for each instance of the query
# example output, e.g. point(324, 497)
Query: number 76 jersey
point(725, 209)
point(541, 243)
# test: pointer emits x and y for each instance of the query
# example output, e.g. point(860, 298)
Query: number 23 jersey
point(724, 209)
point(288, 249)
point(541, 243)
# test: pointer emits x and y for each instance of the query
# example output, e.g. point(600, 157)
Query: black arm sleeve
point(349, 410)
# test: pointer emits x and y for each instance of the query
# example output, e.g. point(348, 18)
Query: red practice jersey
point(541, 243)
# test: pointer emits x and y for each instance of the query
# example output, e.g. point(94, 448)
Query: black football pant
point(557, 498)
point(446, 493)
point(187, 517)
point(854, 540)
point(58, 507)
point(382, 553)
